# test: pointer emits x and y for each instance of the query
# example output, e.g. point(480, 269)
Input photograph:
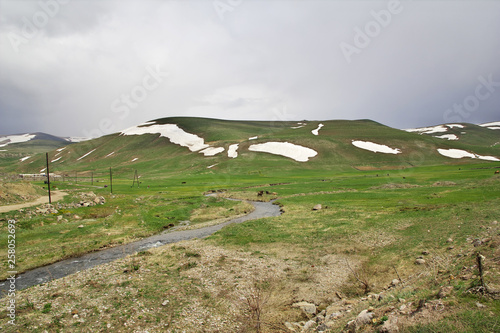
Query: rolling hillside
point(199, 145)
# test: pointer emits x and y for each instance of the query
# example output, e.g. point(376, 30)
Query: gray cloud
point(88, 69)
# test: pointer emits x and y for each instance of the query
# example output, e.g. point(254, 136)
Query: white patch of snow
point(375, 147)
point(109, 154)
point(447, 136)
point(459, 153)
point(135, 159)
point(24, 158)
point(57, 159)
point(42, 170)
point(316, 131)
point(7, 140)
point(494, 127)
point(233, 151)
point(290, 150)
point(211, 166)
point(428, 130)
point(3, 150)
point(77, 139)
point(297, 127)
point(455, 125)
point(253, 138)
point(211, 151)
point(90, 152)
point(172, 132)
point(61, 149)
point(495, 123)
point(488, 158)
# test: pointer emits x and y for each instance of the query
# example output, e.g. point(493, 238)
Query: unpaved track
point(55, 196)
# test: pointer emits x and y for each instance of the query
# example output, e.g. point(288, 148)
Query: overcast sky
point(88, 67)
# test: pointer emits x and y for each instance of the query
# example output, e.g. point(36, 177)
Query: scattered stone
point(290, 327)
point(309, 325)
point(445, 291)
point(363, 318)
point(165, 302)
point(494, 222)
point(450, 247)
point(308, 308)
point(479, 305)
point(394, 282)
point(425, 253)
point(419, 261)
point(476, 242)
point(449, 240)
point(59, 218)
point(317, 207)
point(390, 325)
point(80, 226)
point(76, 217)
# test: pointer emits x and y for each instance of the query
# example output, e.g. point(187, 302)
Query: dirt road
point(55, 195)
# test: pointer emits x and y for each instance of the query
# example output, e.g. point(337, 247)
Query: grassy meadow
point(372, 226)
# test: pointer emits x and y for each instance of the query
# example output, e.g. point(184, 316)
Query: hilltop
point(179, 144)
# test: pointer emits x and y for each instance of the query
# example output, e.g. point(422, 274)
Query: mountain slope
point(188, 144)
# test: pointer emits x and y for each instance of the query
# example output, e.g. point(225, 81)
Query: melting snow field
point(316, 131)
point(429, 130)
point(57, 159)
point(494, 125)
point(7, 140)
point(172, 132)
point(253, 138)
point(211, 151)
point(459, 153)
point(447, 136)
point(90, 152)
point(135, 159)
point(109, 154)
point(290, 150)
point(24, 158)
point(232, 152)
point(375, 147)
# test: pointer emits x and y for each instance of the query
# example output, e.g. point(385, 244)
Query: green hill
point(155, 154)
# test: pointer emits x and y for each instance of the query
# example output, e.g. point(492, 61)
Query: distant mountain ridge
point(180, 144)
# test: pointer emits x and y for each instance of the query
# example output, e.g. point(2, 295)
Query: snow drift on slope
point(290, 150)
point(375, 147)
point(459, 153)
point(172, 132)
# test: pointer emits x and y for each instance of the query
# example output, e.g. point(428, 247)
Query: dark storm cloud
point(94, 67)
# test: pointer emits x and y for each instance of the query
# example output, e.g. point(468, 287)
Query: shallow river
point(69, 266)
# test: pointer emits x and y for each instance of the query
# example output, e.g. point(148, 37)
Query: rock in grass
point(308, 308)
point(363, 318)
point(317, 207)
point(419, 261)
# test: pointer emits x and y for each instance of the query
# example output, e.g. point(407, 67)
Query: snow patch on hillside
point(109, 154)
point(375, 147)
point(253, 138)
point(428, 130)
point(455, 126)
point(290, 150)
point(61, 149)
point(24, 158)
point(459, 153)
point(211, 151)
point(76, 139)
point(90, 152)
point(316, 131)
point(172, 132)
point(447, 136)
point(135, 159)
point(7, 140)
point(232, 152)
point(57, 159)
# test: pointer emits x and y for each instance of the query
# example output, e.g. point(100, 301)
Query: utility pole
point(48, 176)
point(111, 179)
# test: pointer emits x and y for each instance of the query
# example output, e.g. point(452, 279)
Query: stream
point(73, 265)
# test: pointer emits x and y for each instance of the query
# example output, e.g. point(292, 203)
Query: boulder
point(419, 261)
point(363, 318)
point(308, 308)
point(317, 207)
